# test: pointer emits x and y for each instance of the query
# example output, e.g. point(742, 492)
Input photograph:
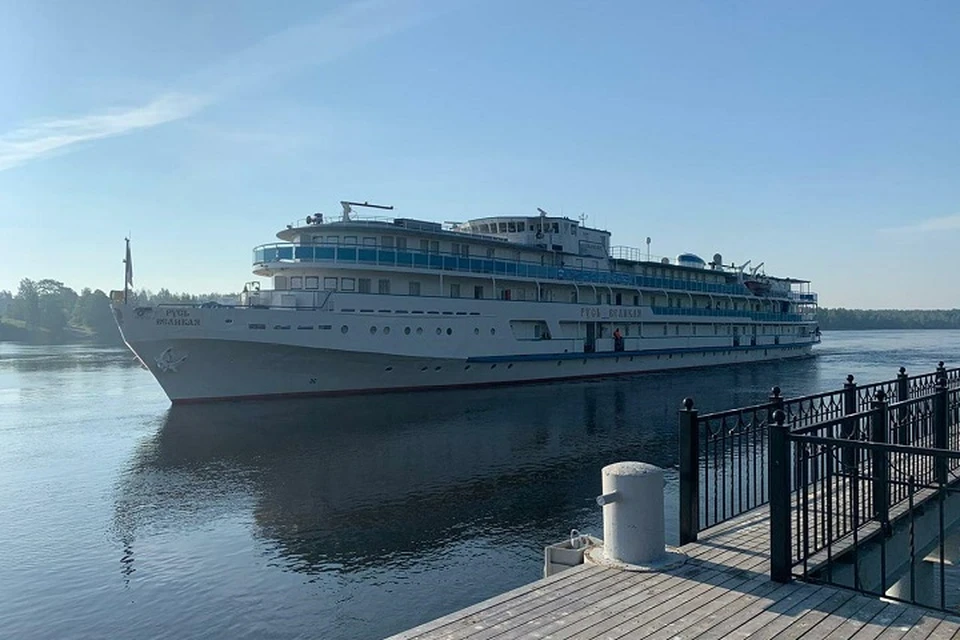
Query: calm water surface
point(349, 518)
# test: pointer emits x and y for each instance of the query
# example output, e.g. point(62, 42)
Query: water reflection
point(356, 482)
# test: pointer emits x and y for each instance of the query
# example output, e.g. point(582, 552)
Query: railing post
point(881, 470)
point(940, 424)
point(903, 394)
point(776, 403)
point(689, 438)
point(846, 432)
point(778, 479)
point(941, 372)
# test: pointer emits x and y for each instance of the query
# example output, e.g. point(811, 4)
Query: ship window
point(387, 242)
point(434, 246)
point(349, 239)
point(414, 288)
point(348, 284)
point(401, 243)
point(491, 253)
point(556, 227)
point(573, 229)
point(363, 285)
point(502, 226)
point(330, 284)
point(425, 246)
point(636, 301)
point(369, 242)
point(333, 239)
point(664, 329)
point(573, 296)
point(311, 282)
point(383, 286)
point(511, 227)
point(455, 291)
point(296, 282)
point(280, 282)
point(478, 292)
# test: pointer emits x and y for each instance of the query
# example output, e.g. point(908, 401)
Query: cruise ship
point(360, 302)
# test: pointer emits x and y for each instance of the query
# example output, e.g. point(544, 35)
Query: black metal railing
point(723, 455)
point(844, 495)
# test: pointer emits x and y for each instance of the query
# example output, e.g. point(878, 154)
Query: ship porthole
point(419, 330)
point(493, 366)
point(437, 368)
point(424, 368)
point(439, 331)
point(493, 331)
point(389, 369)
point(386, 331)
point(344, 329)
point(476, 331)
point(449, 331)
point(510, 366)
point(229, 320)
point(373, 330)
point(466, 368)
point(406, 330)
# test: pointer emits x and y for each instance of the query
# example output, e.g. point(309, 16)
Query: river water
point(121, 516)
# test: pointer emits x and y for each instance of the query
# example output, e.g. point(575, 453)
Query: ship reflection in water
point(361, 482)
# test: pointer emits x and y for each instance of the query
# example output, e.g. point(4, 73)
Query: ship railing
point(419, 259)
point(321, 219)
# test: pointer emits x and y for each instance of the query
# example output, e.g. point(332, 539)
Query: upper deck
point(531, 247)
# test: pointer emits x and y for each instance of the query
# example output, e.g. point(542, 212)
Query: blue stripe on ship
point(619, 354)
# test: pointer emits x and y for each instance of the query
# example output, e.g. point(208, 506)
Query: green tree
point(26, 304)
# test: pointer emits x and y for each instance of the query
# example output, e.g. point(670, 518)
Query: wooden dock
point(723, 590)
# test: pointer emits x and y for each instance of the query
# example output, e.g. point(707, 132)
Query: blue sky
point(819, 137)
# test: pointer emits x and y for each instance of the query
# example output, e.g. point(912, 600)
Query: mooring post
point(778, 486)
point(940, 424)
point(689, 438)
point(941, 372)
point(903, 394)
point(848, 429)
point(881, 465)
point(632, 504)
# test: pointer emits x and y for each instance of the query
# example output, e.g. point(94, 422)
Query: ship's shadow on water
point(357, 482)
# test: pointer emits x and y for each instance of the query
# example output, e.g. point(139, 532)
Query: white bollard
point(632, 504)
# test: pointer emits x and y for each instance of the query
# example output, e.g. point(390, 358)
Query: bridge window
point(311, 282)
point(386, 242)
point(369, 242)
point(350, 240)
point(280, 282)
point(348, 284)
point(333, 239)
point(383, 286)
point(330, 284)
point(401, 243)
point(521, 226)
point(296, 282)
point(503, 227)
point(363, 285)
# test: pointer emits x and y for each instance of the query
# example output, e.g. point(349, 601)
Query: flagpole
point(126, 271)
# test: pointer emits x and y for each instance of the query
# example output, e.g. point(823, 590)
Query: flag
point(128, 261)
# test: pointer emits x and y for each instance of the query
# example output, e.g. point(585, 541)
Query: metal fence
point(723, 455)
point(844, 495)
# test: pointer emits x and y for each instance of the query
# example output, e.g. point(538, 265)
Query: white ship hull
point(219, 353)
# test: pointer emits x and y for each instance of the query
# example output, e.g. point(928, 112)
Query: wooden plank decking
point(722, 591)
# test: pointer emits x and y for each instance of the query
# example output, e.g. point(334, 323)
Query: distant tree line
point(839, 319)
point(48, 311)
